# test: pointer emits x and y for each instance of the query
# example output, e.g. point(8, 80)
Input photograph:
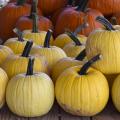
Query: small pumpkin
point(9, 16)
point(105, 41)
point(115, 93)
point(74, 48)
point(25, 22)
point(16, 64)
point(65, 63)
point(16, 44)
point(37, 36)
point(4, 53)
point(69, 19)
point(32, 93)
point(52, 53)
point(77, 87)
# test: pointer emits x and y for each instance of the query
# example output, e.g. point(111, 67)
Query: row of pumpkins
point(30, 70)
point(57, 12)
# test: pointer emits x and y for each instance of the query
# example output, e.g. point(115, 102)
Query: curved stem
point(105, 22)
point(82, 5)
point(114, 21)
point(35, 23)
point(81, 56)
point(33, 8)
point(85, 67)
point(27, 49)
point(30, 66)
point(20, 2)
point(47, 39)
point(74, 38)
point(19, 34)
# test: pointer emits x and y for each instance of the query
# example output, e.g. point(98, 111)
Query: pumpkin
point(16, 64)
point(69, 19)
point(74, 48)
point(9, 16)
point(115, 93)
point(25, 22)
point(77, 87)
point(37, 36)
point(107, 7)
point(52, 53)
point(32, 93)
point(3, 85)
point(105, 41)
point(16, 44)
point(4, 53)
point(65, 63)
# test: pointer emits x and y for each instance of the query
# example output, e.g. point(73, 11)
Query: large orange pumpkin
point(9, 15)
point(73, 17)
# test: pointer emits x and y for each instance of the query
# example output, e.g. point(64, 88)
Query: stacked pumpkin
point(80, 62)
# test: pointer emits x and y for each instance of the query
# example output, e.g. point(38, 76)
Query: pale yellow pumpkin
point(30, 94)
point(76, 90)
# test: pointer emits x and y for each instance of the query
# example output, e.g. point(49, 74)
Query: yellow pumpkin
point(52, 53)
point(16, 64)
point(30, 94)
point(35, 35)
point(4, 53)
point(116, 93)
point(3, 85)
point(106, 42)
point(65, 63)
point(74, 48)
point(82, 91)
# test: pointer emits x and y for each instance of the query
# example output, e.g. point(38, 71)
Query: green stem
point(35, 23)
point(27, 49)
point(47, 39)
point(105, 22)
point(30, 66)
point(81, 56)
point(86, 66)
point(74, 38)
point(82, 5)
point(33, 8)
point(21, 2)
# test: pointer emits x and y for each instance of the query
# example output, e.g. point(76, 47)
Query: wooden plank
point(5, 114)
point(66, 116)
point(110, 113)
point(52, 115)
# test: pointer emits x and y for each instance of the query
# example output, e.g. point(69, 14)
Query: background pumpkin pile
point(59, 49)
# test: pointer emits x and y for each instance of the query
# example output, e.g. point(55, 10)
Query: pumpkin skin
point(105, 42)
point(107, 7)
point(9, 16)
point(63, 39)
point(3, 85)
point(115, 93)
point(36, 103)
point(4, 53)
point(74, 21)
point(80, 99)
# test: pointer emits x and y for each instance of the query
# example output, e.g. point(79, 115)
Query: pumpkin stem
point(19, 34)
point(87, 65)
point(105, 22)
point(35, 23)
point(27, 49)
point(33, 8)
point(81, 56)
point(114, 21)
point(82, 5)
point(47, 39)
point(30, 66)
point(83, 26)
point(20, 2)
point(74, 38)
